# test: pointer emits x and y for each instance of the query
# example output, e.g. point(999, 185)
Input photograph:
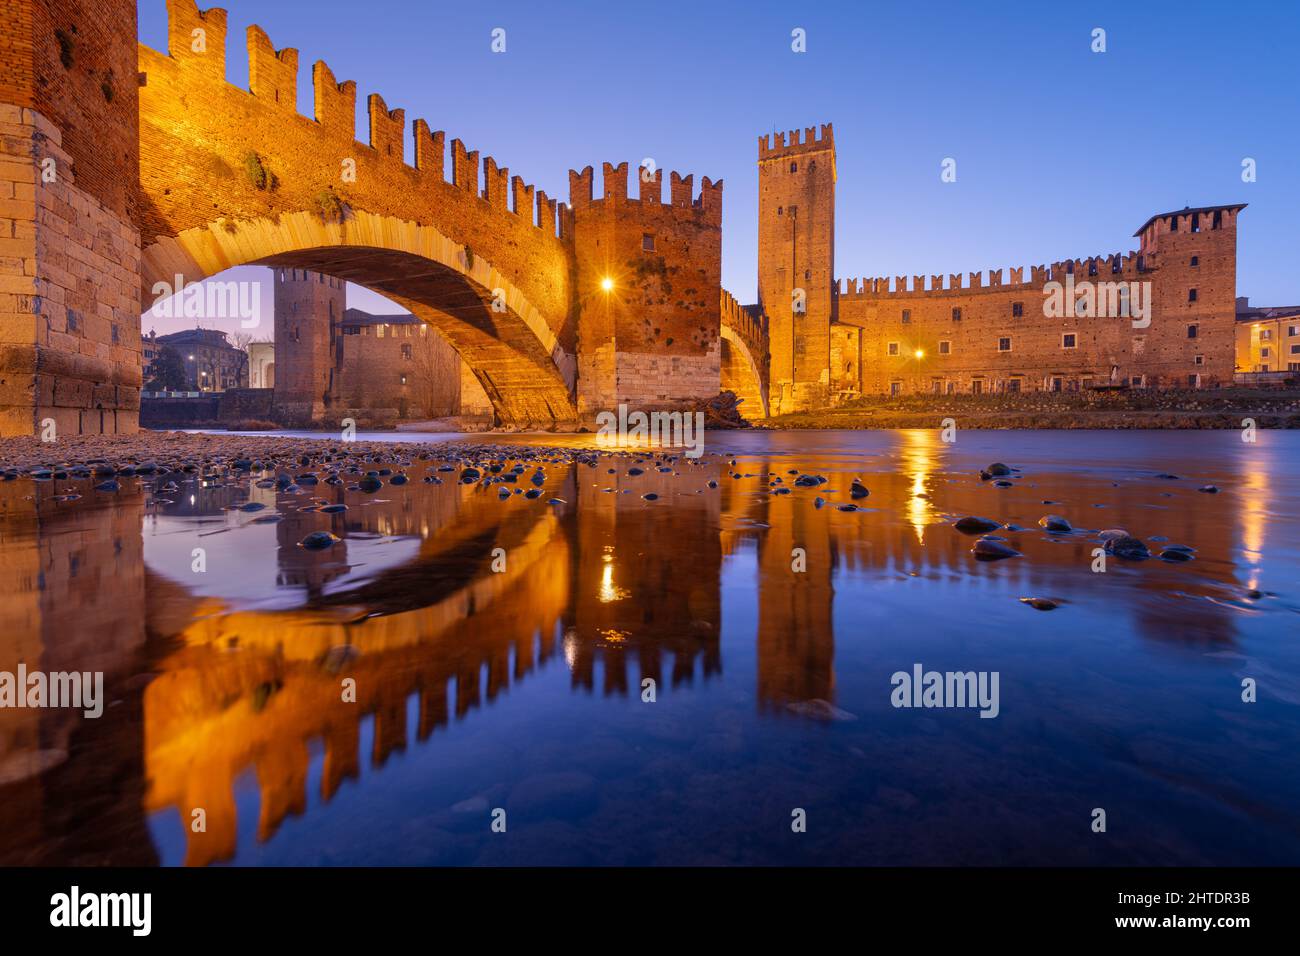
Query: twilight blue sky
point(1061, 152)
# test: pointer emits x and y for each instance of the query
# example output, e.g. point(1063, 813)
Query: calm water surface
point(521, 689)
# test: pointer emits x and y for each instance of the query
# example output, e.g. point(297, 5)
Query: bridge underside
point(518, 374)
point(740, 374)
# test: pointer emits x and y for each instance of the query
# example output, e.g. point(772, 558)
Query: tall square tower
point(796, 263)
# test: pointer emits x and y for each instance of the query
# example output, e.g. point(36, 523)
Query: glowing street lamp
point(920, 353)
point(607, 283)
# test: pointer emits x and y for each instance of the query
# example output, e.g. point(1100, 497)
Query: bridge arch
point(740, 374)
point(506, 342)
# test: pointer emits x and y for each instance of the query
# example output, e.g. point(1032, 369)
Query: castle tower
point(308, 309)
point(649, 282)
point(796, 263)
point(1191, 258)
point(69, 172)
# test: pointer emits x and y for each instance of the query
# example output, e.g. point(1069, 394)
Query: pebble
point(1055, 524)
point(991, 549)
point(1040, 604)
point(319, 541)
point(1128, 547)
point(973, 525)
point(818, 709)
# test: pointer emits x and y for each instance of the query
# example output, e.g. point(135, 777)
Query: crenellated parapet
point(1109, 268)
point(796, 143)
point(707, 206)
point(745, 324)
point(196, 60)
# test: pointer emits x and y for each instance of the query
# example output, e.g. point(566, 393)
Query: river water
point(502, 654)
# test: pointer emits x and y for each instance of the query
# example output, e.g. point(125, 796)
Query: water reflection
point(439, 599)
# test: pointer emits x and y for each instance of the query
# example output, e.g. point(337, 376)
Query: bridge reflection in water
point(214, 681)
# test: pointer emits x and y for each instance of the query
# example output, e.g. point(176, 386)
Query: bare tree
point(241, 341)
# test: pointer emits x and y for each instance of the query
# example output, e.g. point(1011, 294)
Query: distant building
point(332, 361)
point(211, 363)
point(149, 352)
point(1268, 338)
point(261, 365)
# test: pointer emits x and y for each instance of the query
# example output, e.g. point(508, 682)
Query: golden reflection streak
point(1254, 513)
point(918, 454)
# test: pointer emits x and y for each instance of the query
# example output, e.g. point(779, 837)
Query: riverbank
point(1127, 409)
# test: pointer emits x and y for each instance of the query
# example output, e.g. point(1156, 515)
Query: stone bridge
point(127, 163)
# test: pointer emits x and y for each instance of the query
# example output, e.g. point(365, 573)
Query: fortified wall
point(649, 274)
point(1162, 316)
point(69, 250)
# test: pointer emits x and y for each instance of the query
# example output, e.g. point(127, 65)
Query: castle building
point(1160, 316)
point(331, 361)
point(651, 336)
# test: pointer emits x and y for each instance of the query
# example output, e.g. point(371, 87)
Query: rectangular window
point(1295, 350)
point(1196, 261)
point(1136, 381)
point(895, 388)
point(1004, 344)
point(893, 348)
point(1191, 331)
point(1264, 353)
point(1293, 330)
point(945, 347)
point(907, 316)
point(403, 379)
point(379, 331)
point(1200, 360)
point(647, 242)
point(1067, 340)
point(952, 387)
point(1265, 334)
point(1013, 385)
point(956, 315)
point(1194, 380)
point(1191, 295)
point(1017, 309)
point(1058, 384)
point(936, 386)
point(976, 386)
point(406, 352)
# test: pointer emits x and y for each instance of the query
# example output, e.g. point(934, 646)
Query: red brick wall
point(1160, 354)
point(796, 250)
point(94, 99)
point(69, 252)
point(308, 308)
point(654, 338)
